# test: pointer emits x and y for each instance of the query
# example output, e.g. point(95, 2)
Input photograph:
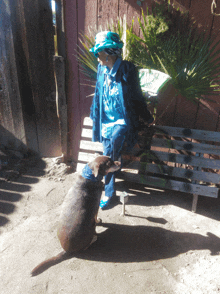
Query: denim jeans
point(113, 147)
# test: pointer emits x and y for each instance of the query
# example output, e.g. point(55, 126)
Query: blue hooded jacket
point(132, 101)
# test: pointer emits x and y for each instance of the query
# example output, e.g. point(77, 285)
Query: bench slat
point(170, 184)
point(91, 146)
point(183, 159)
point(85, 157)
point(188, 133)
point(187, 146)
point(176, 172)
point(86, 133)
point(87, 122)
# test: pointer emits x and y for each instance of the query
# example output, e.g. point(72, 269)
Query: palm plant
point(188, 56)
point(88, 62)
point(142, 50)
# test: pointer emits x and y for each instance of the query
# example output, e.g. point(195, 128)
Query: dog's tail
point(50, 262)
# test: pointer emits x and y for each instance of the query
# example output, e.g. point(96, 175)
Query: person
point(117, 103)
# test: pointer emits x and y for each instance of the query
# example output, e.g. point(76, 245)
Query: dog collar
point(87, 174)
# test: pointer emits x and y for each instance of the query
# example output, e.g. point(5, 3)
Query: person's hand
point(146, 123)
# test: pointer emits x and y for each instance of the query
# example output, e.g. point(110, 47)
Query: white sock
point(105, 198)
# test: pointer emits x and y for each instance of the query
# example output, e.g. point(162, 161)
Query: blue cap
point(106, 40)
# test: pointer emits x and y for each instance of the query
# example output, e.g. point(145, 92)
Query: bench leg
point(194, 204)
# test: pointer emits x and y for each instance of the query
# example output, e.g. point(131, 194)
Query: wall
point(28, 97)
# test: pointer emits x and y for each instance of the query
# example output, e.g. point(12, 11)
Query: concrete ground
point(159, 246)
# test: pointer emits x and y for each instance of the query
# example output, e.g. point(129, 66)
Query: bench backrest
point(180, 159)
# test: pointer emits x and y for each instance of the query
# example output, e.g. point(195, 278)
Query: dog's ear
point(94, 167)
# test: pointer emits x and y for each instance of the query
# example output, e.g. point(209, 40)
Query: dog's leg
point(93, 241)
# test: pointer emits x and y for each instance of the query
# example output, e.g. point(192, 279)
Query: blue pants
point(113, 147)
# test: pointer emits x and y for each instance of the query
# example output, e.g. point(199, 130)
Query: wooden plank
point(196, 196)
point(107, 12)
point(147, 5)
point(35, 20)
point(175, 172)
point(182, 5)
point(87, 133)
point(91, 146)
point(73, 84)
point(132, 11)
point(200, 11)
point(60, 28)
point(87, 17)
point(187, 146)
point(87, 122)
point(41, 50)
point(85, 157)
point(87, 23)
point(123, 10)
point(170, 184)
point(11, 114)
point(6, 54)
point(59, 68)
point(22, 63)
point(176, 132)
point(87, 128)
point(179, 158)
point(202, 135)
point(91, 17)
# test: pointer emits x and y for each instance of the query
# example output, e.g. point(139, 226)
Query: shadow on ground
point(16, 176)
point(124, 243)
point(145, 196)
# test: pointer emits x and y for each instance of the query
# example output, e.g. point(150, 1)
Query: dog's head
point(102, 165)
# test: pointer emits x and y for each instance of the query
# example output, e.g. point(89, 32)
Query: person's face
point(110, 60)
point(102, 58)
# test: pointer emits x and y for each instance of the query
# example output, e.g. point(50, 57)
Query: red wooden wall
point(184, 113)
point(79, 14)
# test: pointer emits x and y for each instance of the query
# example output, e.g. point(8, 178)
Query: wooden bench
point(179, 159)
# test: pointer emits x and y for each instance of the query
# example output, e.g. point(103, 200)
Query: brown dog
point(76, 228)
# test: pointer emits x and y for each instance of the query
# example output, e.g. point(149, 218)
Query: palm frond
point(87, 61)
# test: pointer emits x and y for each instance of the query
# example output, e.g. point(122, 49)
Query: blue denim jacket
point(112, 108)
point(132, 101)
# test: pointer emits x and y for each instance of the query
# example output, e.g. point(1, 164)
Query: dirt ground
point(159, 246)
